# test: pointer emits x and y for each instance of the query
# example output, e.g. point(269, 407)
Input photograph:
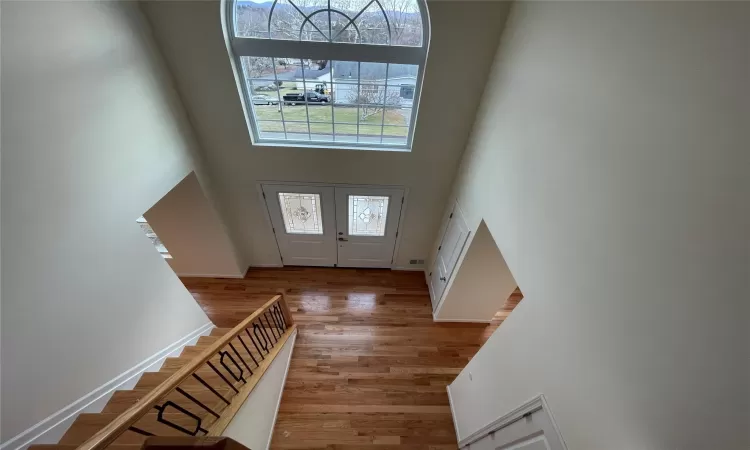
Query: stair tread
point(86, 425)
point(122, 400)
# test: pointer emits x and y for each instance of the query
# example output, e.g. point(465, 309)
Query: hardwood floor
point(369, 367)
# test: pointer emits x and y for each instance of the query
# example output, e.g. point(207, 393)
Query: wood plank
point(370, 366)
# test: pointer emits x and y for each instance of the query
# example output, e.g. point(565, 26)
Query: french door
point(340, 226)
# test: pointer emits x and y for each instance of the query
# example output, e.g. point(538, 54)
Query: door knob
point(343, 239)
point(442, 279)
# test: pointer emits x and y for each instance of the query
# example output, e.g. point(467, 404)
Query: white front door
point(367, 225)
point(304, 221)
point(334, 226)
point(449, 251)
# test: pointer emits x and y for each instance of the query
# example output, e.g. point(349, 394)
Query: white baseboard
point(51, 429)
point(211, 275)
point(435, 319)
point(409, 268)
point(453, 412)
point(265, 265)
point(281, 394)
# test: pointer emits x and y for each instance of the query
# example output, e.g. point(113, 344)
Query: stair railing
point(265, 331)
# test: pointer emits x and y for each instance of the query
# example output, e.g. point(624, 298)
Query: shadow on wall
point(187, 232)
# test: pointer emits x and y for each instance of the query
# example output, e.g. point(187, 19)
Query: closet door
point(454, 239)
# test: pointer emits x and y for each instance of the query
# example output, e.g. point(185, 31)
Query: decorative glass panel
point(367, 215)
point(301, 213)
point(386, 22)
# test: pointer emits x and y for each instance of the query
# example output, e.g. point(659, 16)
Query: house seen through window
point(146, 228)
point(329, 72)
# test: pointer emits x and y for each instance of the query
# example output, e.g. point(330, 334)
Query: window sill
point(329, 146)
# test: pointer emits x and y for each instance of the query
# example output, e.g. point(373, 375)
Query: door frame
point(399, 234)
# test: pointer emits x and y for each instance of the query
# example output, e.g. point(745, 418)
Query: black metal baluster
point(139, 431)
point(281, 315)
point(256, 345)
point(264, 328)
point(240, 357)
point(210, 364)
point(259, 335)
point(211, 388)
point(248, 350)
point(275, 338)
point(196, 401)
point(275, 318)
point(160, 418)
point(239, 377)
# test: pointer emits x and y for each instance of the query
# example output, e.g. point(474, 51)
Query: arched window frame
point(330, 51)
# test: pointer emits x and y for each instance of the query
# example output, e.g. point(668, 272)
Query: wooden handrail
point(122, 423)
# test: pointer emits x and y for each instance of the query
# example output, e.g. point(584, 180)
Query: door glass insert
point(367, 215)
point(301, 213)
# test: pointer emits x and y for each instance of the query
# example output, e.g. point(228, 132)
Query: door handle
point(343, 239)
point(442, 279)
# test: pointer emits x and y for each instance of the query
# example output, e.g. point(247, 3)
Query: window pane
point(257, 68)
point(301, 213)
point(372, 26)
point(345, 71)
point(251, 19)
point(297, 130)
point(321, 131)
point(373, 72)
point(286, 21)
point(367, 215)
point(395, 135)
point(397, 116)
point(271, 130)
point(346, 132)
point(345, 113)
point(319, 112)
point(405, 20)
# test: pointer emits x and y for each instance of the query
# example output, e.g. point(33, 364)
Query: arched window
point(330, 73)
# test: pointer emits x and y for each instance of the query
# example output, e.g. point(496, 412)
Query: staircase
point(194, 394)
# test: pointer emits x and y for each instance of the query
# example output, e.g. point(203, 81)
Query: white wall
point(191, 230)
point(480, 285)
point(254, 423)
point(190, 36)
point(92, 136)
point(609, 161)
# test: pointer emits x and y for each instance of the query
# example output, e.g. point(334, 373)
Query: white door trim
point(537, 403)
point(396, 248)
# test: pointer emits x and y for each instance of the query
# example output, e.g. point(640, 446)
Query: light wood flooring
point(369, 367)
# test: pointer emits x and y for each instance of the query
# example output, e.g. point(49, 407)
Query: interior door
point(304, 222)
point(367, 225)
point(454, 239)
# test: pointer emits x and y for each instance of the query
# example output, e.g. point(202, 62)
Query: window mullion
point(304, 96)
point(278, 96)
point(385, 101)
point(358, 96)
